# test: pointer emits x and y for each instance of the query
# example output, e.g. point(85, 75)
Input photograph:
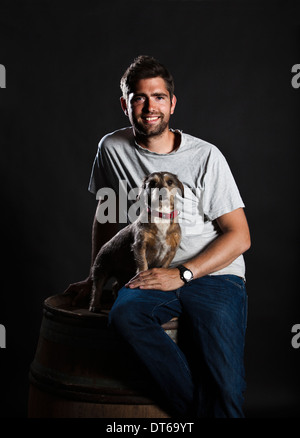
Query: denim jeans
point(203, 377)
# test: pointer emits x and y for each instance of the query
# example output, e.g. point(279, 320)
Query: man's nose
point(149, 106)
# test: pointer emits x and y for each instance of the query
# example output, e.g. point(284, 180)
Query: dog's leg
point(98, 283)
point(80, 298)
point(173, 241)
point(140, 258)
point(167, 260)
point(115, 289)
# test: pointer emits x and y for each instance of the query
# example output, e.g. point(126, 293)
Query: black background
point(232, 67)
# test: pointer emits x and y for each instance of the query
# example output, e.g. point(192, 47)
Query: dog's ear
point(180, 186)
point(142, 188)
point(143, 185)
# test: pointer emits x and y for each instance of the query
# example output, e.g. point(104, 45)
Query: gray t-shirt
point(209, 187)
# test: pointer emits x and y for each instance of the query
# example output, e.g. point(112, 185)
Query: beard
point(145, 130)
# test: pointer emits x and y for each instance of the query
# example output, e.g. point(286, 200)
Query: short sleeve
point(220, 192)
point(98, 178)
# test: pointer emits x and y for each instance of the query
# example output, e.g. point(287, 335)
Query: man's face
point(149, 107)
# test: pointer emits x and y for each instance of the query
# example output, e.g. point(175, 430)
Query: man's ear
point(124, 105)
point(173, 103)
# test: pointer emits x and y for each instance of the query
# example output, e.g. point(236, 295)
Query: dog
point(149, 242)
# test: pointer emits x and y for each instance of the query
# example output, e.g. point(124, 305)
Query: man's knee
point(126, 314)
point(120, 315)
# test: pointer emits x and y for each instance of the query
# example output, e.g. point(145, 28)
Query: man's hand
point(157, 278)
point(80, 292)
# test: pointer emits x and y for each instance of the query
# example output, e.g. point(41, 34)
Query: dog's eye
point(152, 184)
point(170, 182)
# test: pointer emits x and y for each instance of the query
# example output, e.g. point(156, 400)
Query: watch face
point(187, 275)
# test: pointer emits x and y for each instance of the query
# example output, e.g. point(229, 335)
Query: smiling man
point(149, 109)
point(205, 284)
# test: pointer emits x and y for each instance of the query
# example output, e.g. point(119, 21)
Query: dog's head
point(160, 189)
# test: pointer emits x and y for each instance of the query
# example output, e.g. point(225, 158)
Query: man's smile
point(150, 119)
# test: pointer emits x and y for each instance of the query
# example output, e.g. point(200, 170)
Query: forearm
point(234, 240)
point(219, 254)
point(101, 233)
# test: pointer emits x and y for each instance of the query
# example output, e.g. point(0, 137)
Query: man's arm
point(101, 233)
point(234, 241)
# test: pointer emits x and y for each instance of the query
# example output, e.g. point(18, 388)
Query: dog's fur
point(144, 244)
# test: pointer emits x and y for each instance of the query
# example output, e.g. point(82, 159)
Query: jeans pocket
point(237, 281)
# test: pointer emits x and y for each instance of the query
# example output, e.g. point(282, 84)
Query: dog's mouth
point(162, 215)
point(159, 198)
point(161, 204)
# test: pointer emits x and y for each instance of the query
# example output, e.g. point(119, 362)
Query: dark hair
point(144, 67)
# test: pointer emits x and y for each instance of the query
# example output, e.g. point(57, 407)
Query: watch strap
point(182, 269)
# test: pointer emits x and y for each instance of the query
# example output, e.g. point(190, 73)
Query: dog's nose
point(163, 193)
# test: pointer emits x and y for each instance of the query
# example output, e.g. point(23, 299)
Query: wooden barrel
point(82, 369)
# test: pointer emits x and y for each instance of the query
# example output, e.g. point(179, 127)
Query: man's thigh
point(215, 312)
point(214, 299)
point(159, 306)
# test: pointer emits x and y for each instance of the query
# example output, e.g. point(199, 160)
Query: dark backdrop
point(232, 67)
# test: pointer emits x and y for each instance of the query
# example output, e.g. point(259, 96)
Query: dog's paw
point(95, 309)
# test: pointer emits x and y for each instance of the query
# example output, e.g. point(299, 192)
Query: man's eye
point(137, 99)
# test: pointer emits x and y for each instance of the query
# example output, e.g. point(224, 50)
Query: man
point(205, 284)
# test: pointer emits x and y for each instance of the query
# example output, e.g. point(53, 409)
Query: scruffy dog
point(149, 242)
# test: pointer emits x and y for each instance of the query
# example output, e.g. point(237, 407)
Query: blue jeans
point(205, 376)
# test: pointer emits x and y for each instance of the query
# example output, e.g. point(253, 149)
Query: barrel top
point(63, 304)
point(60, 306)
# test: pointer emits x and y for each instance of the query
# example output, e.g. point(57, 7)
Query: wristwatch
point(186, 274)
